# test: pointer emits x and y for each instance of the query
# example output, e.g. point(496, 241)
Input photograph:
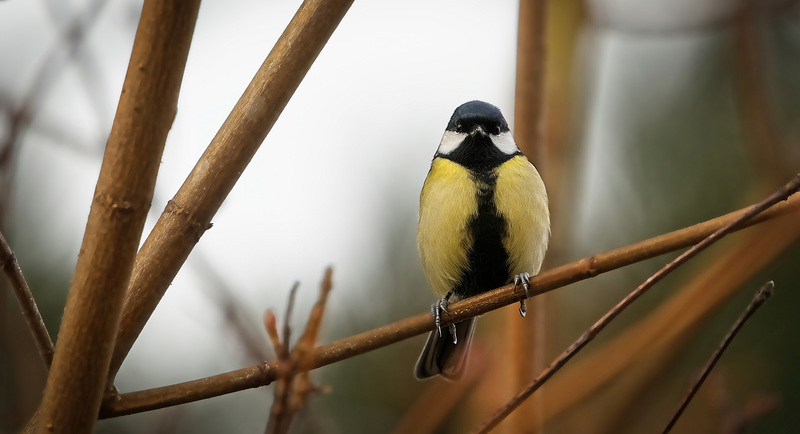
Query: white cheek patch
point(450, 141)
point(505, 143)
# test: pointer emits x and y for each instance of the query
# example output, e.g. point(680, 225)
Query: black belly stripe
point(488, 260)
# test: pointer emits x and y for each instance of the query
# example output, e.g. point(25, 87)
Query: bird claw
point(437, 309)
point(523, 279)
point(437, 318)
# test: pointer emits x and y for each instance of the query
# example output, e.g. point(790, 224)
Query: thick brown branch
point(264, 373)
point(190, 212)
point(782, 194)
point(758, 300)
point(530, 79)
point(526, 339)
point(26, 301)
point(122, 198)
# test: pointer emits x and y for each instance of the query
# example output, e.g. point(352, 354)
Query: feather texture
point(447, 204)
point(521, 199)
point(483, 220)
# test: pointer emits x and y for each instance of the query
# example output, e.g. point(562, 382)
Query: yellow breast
point(521, 199)
point(447, 203)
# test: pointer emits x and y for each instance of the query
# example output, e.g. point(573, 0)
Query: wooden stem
point(8, 260)
point(526, 339)
point(188, 215)
point(122, 198)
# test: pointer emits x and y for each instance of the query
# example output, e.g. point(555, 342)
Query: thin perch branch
point(782, 194)
point(760, 298)
point(26, 301)
point(122, 197)
point(668, 326)
point(264, 373)
point(188, 215)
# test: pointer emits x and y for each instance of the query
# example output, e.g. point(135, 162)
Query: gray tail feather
point(442, 357)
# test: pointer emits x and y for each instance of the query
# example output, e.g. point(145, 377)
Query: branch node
point(196, 226)
point(264, 368)
point(591, 266)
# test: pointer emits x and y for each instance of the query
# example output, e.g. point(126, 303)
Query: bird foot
point(437, 309)
point(523, 279)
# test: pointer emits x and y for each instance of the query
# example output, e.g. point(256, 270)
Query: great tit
point(483, 223)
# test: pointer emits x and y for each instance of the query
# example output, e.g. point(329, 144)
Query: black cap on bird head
point(477, 113)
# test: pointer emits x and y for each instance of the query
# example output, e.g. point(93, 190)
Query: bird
point(484, 222)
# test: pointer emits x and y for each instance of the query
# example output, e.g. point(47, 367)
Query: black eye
point(497, 130)
point(459, 127)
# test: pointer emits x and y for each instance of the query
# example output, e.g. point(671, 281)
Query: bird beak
point(478, 130)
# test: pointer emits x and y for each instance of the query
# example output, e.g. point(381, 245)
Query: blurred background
point(658, 115)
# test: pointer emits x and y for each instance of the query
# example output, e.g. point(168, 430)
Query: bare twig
point(264, 373)
point(84, 59)
point(293, 383)
point(278, 411)
point(782, 194)
point(30, 311)
point(526, 339)
point(281, 391)
point(304, 349)
point(53, 65)
point(760, 298)
point(188, 215)
point(147, 105)
point(648, 345)
point(287, 330)
point(236, 314)
point(67, 46)
point(270, 324)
